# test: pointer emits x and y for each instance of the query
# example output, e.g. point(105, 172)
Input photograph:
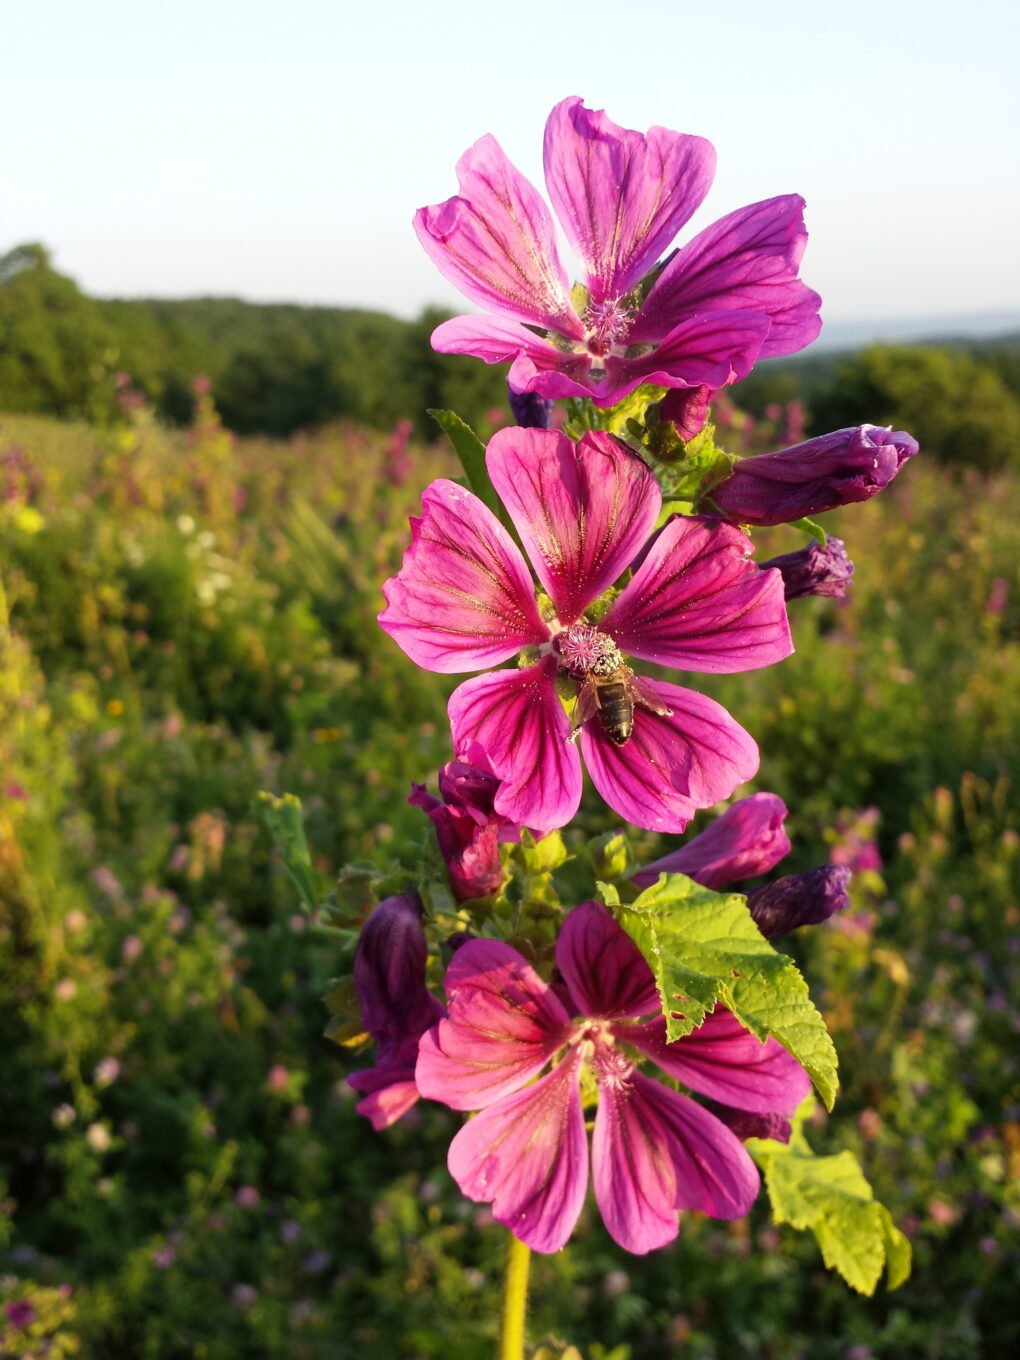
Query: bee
point(612, 696)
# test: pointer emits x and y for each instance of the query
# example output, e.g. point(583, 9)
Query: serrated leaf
point(831, 1197)
point(704, 948)
point(808, 526)
point(471, 452)
point(285, 823)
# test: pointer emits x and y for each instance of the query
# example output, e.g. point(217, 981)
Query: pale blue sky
point(278, 150)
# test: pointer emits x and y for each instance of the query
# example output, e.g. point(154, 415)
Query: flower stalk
point(515, 1300)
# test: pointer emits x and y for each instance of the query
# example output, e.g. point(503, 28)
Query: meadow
point(188, 618)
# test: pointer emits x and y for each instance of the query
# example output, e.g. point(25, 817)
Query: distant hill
point(958, 328)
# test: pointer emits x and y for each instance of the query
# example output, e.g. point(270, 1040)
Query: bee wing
point(643, 692)
point(587, 703)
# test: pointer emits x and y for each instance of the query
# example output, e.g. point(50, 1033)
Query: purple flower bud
point(396, 1006)
point(748, 839)
point(800, 899)
point(746, 1124)
point(835, 469)
point(687, 409)
point(815, 570)
point(468, 829)
point(531, 411)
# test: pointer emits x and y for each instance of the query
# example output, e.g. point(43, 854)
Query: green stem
point(515, 1301)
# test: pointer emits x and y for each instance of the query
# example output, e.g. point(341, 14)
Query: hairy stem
point(515, 1301)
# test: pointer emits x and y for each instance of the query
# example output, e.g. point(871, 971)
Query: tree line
point(278, 368)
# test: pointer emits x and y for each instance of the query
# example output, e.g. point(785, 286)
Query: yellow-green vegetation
point(189, 618)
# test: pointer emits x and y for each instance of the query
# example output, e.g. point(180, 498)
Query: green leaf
point(283, 820)
point(832, 1198)
point(808, 526)
point(704, 948)
point(471, 452)
point(612, 856)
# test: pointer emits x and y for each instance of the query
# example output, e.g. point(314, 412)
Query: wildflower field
point(188, 619)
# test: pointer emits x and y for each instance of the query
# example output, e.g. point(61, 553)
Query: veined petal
point(698, 603)
point(632, 1167)
point(528, 1157)
point(746, 261)
point(712, 349)
point(726, 1062)
point(582, 510)
point(621, 197)
point(648, 1140)
point(672, 765)
point(748, 839)
point(495, 241)
point(463, 598)
point(504, 1024)
point(498, 340)
point(518, 720)
point(389, 1094)
point(605, 972)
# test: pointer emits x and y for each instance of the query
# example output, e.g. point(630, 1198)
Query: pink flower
point(727, 297)
point(396, 1006)
point(464, 599)
point(750, 839)
point(654, 1152)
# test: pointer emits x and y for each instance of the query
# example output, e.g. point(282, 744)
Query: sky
point(278, 151)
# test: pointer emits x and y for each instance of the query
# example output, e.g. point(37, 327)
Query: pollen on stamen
point(606, 324)
point(584, 650)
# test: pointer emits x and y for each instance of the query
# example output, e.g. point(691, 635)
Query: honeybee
point(612, 697)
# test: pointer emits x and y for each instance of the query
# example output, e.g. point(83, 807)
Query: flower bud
point(748, 839)
point(530, 411)
point(468, 830)
point(800, 899)
point(747, 1124)
point(835, 469)
point(815, 570)
point(396, 1006)
point(686, 408)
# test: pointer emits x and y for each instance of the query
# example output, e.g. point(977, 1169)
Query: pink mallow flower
point(396, 1006)
point(747, 840)
point(726, 298)
point(464, 599)
point(654, 1151)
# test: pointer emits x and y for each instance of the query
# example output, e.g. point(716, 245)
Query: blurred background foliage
point(189, 616)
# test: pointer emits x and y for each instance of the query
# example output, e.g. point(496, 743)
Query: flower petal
point(620, 196)
point(538, 366)
point(463, 598)
point(504, 1025)
point(582, 510)
point(518, 720)
point(710, 350)
point(389, 1094)
point(528, 1156)
point(654, 1152)
point(746, 261)
point(697, 602)
point(606, 974)
point(495, 242)
point(672, 765)
point(748, 839)
point(726, 1062)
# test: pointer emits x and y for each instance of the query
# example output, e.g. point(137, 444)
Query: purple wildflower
point(654, 1152)
point(726, 298)
point(464, 599)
